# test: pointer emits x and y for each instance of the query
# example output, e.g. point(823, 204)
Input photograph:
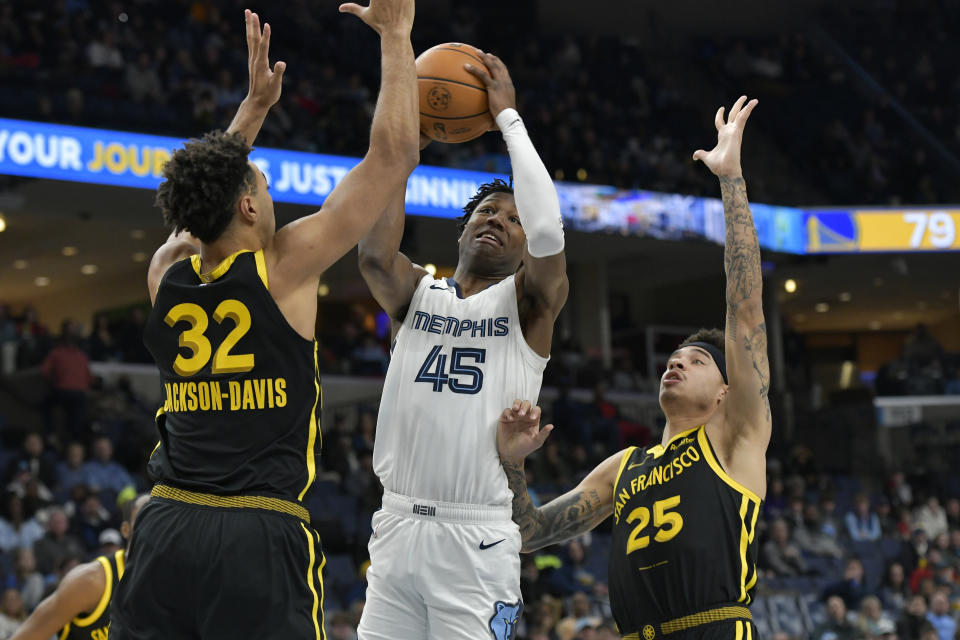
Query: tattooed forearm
point(742, 250)
point(569, 515)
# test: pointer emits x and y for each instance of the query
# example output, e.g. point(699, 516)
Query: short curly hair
point(203, 181)
point(497, 186)
point(716, 337)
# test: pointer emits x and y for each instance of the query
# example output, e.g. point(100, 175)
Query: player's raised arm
point(747, 408)
point(391, 276)
point(544, 271)
point(79, 592)
point(304, 249)
point(265, 83)
point(575, 512)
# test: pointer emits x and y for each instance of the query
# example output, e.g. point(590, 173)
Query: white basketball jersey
point(456, 364)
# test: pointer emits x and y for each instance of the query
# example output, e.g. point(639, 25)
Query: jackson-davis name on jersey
point(233, 395)
point(448, 325)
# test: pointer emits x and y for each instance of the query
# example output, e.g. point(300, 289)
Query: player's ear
point(723, 393)
point(247, 208)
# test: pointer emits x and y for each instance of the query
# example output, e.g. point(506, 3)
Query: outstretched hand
point(500, 91)
point(519, 433)
point(724, 159)
point(384, 16)
point(265, 84)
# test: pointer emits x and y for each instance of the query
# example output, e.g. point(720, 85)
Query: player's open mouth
point(490, 238)
point(672, 377)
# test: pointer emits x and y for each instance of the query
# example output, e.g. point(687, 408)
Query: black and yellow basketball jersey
point(96, 624)
point(683, 538)
point(241, 388)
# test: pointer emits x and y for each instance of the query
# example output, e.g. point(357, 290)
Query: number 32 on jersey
point(463, 377)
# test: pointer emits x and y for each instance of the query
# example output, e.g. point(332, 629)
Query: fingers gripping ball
point(453, 102)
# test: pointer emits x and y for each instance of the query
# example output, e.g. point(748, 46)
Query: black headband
point(718, 357)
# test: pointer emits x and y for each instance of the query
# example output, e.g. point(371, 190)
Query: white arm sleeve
point(536, 197)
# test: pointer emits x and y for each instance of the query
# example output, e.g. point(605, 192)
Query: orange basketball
point(453, 102)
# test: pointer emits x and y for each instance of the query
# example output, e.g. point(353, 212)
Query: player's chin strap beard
point(718, 358)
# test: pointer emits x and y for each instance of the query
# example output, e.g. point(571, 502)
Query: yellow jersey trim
point(660, 449)
point(623, 463)
point(86, 621)
point(231, 502)
point(312, 435)
point(744, 503)
point(218, 270)
point(316, 598)
point(717, 469)
point(695, 620)
point(262, 268)
point(753, 531)
point(65, 632)
point(121, 557)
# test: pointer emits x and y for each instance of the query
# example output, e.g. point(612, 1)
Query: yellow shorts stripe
point(316, 598)
point(231, 502)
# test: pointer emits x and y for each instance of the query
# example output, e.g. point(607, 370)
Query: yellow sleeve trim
point(65, 632)
point(623, 463)
point(217, 271)
point(661, 449)
point(104, 599)
point(121, 557)
point(717, 469)
point(262, 268)
point(313, 427)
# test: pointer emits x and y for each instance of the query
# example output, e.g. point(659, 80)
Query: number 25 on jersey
point(198, 344)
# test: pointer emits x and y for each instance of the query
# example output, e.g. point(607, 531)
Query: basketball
point(453, 102)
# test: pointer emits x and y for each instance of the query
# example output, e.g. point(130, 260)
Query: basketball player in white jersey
point(444, 551)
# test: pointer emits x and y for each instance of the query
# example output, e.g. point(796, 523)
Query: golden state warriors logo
point(438, 98)
point(649, 633)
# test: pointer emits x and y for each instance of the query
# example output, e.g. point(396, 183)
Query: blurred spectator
point(101, 345)
point(369, 358)
point(836, 627)
point(895, 590)
point(70, 471)
point(872, 621)
point(780, 555)
point(102, 52)
point(341, 627)
point(775, 503)
point(56, 544)
point(829, 519)
point(953, 513)
point(102, 472)
point(931, 518)
point(921, 348)
point(12, 613)
point(899, 490)
point(572, 576)
point(90, 520)
point(913, 622)
point(130, 338)
point(863, 525)
point(26, 578)
point(939, 616)
point(68, 371)
point(110, 542)
point(852, 587)
point(811, 537)
point(16, 528)
point(32, 464)
point(8, 341)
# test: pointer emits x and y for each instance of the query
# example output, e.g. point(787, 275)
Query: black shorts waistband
point(654, 630)
point(264, 503)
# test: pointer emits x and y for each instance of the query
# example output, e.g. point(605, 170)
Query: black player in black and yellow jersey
point(225, 548)
point(80, 607)
point(684, 549)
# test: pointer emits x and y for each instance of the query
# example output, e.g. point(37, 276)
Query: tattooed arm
point(748, 424)
point(575, 512)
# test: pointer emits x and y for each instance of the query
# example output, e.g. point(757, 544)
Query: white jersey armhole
point(533, 358)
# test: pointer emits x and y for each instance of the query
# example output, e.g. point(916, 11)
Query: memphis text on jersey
point(660, 474)
point(449, 325)
point(233, 395)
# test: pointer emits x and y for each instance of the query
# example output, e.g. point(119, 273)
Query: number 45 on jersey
point(463, 378)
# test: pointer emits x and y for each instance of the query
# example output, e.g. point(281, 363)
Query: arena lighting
point(69, 251)
point(323, 290)
point(3, 223)
point(20, 264)
point(42, 281)
point(581, 174)
point(138, 234)
point(431, 268)
point(790, 285)
point(821, 307)
point(139, 256)
point(88, 269)
point(845, 296)
point(874, 325)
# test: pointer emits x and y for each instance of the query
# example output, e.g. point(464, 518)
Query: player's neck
point(225, 246)
point(679, 422)
point(471, 283)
